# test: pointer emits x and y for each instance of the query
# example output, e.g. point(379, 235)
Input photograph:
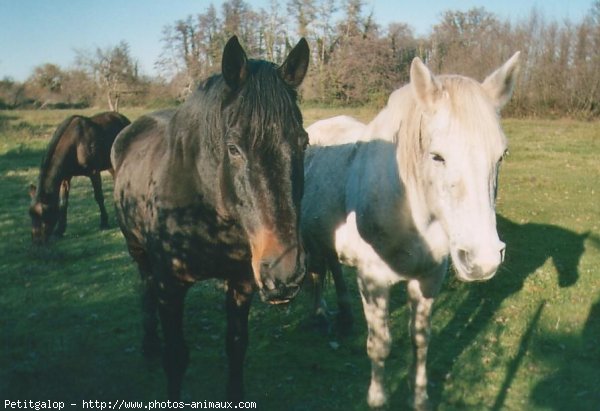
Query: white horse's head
point(460, 148)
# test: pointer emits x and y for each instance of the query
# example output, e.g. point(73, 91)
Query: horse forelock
point(466, 114)
point(270, 106)
point(473, 114)
point(265, 102)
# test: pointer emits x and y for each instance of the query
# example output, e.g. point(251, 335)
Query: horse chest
point(192, 243)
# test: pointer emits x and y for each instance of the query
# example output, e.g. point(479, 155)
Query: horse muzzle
point(280, 283)
point(478, 266)
point(278, 266)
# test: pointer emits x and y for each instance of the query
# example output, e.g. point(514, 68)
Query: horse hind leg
point(375, 299)
point(99, 197)
point(420, 328)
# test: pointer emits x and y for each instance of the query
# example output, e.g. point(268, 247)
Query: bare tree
point(113, 69)
point(303, 13)
point(273, 32)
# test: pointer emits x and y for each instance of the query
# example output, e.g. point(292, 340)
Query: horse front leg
point(99, 197)
point(63, 204)
point(151, 346)
point(375, 299)
point(420, 329)
point(238, 299)
point(176, 353)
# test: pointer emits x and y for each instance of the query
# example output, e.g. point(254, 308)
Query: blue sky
point(34, 32)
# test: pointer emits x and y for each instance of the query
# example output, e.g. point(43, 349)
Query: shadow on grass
point(529, 246)
point(576, 382)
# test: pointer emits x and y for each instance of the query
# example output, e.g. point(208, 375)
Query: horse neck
point(52, 174)
point(52, 170)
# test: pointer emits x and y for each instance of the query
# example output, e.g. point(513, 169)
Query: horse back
point(138, 134)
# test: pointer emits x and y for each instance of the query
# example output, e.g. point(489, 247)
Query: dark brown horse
point(80, 146)
point(212, 190)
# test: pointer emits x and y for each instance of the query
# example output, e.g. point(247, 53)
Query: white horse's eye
point(438, 158)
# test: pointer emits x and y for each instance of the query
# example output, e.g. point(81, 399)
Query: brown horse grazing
point(212, 190)
point(80, 146)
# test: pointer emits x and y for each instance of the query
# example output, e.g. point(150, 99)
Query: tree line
point(355, 60)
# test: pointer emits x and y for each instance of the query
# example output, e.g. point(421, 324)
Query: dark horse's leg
point(345, 317)
point(318, 271)
point(176, 354)
point(151, 342)
point(99, 197)
point(239, 297)
point(63, 204)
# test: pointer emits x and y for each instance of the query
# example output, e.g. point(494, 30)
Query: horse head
point(44, 217)
point(262, 154)
point(460, 148)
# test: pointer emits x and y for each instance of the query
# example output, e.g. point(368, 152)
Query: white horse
point(335, 130)
point(397, 207)
point(345, 129)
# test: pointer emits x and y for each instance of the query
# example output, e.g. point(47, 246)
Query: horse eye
point(233, 150)
point(438, 158)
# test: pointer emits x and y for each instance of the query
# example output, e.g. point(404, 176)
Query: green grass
point(526, 340)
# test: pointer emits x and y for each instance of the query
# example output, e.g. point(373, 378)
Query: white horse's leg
point(375, 299)
point(420, 327)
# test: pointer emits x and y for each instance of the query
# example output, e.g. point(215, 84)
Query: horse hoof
point(377, 399)
point(423, 406)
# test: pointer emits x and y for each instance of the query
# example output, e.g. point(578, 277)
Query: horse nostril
point(502, 252)
point(465, 260)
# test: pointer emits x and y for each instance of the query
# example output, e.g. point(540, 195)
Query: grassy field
point(529, 339)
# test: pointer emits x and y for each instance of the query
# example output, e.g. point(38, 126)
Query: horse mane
point(262, 102)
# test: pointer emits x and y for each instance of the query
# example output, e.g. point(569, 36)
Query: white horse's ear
point(500, 84)
point(424, 84)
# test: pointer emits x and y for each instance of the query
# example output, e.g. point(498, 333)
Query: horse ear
point(295, 66)
point(32, 191)
point(233, 65)
point(426, 87)
point(500, 84)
